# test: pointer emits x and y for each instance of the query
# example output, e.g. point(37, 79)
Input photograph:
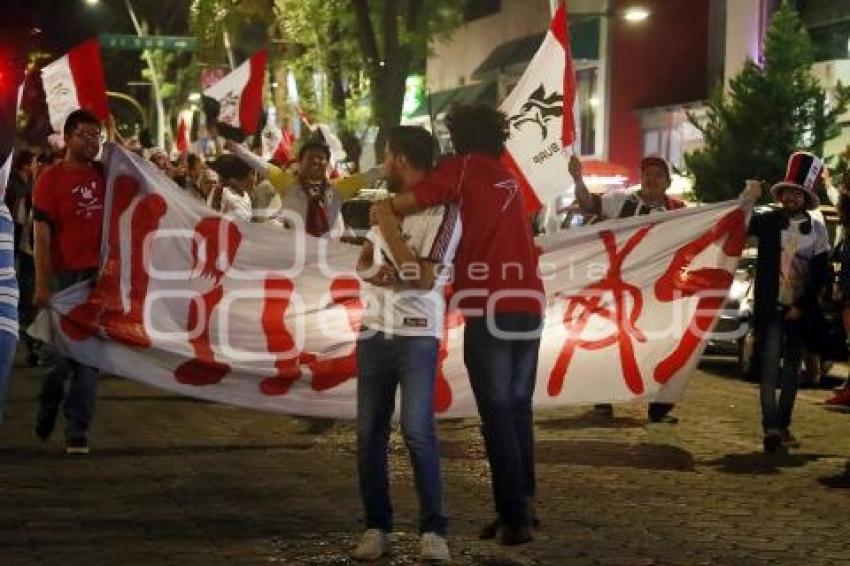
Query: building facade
point(638, 81)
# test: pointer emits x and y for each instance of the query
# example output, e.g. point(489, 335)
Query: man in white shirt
point(406, 263)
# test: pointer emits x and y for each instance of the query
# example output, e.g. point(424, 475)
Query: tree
point(169, 73)
point(769, 112)
point(383, 40)
point(394, 36)
point(313, 44)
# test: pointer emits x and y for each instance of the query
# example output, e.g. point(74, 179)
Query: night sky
point(65, 23)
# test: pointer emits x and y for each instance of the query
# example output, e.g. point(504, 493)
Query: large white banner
point(257, 316)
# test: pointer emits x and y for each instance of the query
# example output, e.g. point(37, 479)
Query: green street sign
point(135, 43)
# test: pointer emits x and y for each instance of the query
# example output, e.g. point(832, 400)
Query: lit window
point(588, 108)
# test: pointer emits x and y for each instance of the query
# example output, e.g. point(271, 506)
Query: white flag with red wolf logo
point(214, 307)
point(540, 109)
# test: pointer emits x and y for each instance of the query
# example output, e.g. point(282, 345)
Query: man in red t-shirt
point(498, 289)
point(68, 222)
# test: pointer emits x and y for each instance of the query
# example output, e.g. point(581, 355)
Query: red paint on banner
point(220, 240)
point(332, 372)
point(590, 302)
point(680, 282)
point(279, 341)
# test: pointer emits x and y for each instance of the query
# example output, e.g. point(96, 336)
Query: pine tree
point(769, 112)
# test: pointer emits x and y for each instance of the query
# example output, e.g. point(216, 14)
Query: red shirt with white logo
point(70, 200)
point(496, 257)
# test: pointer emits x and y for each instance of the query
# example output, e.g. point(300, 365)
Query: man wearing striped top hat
point(791, 271)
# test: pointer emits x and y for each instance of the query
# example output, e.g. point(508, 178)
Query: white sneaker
point(372, 545)
point(434, 548)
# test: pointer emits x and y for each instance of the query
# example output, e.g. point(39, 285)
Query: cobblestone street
point(176, 481)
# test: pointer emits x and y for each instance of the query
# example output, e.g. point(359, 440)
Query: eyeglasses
point(88, 134)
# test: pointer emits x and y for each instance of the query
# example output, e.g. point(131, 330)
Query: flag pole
point(433, 123)
point(567, 29)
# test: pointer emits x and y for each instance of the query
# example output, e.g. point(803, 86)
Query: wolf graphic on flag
point(540, 109)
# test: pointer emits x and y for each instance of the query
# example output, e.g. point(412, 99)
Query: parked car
point(733, 335)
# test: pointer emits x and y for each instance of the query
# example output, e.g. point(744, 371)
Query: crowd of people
point(462, 211)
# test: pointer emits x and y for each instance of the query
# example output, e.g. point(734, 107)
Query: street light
point(92, 2)
point(636, 14)
point(632, 15)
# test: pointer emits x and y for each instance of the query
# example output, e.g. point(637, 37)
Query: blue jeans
point(503, 372)
point(384, 362)
point(781, 340)
point(8, 343)
point(79, 401)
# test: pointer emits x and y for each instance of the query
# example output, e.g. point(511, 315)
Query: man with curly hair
point(499, 290)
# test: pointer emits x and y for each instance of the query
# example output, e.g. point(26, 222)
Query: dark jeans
point(79, 401)
point(502, 372)
point(8, 342)
point(780, 352)
point(26, 310)
point(26, 281)
point(384, 362)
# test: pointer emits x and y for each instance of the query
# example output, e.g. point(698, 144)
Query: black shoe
point(490, 530)
point(44, 426)
point(78, 445)
point(512, 536)
point(772, 443)
point(660, 413)
point(666, 419)
point(841, 481)
point(789, 440)
point(604, 410)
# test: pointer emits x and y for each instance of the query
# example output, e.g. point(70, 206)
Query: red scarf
point(317, 218)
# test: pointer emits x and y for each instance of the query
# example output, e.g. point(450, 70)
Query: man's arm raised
point(586, 201)
point(281, 180)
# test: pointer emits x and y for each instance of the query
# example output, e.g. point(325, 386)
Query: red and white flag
point(540, 109)
point(75, 81)
point(235, 102)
